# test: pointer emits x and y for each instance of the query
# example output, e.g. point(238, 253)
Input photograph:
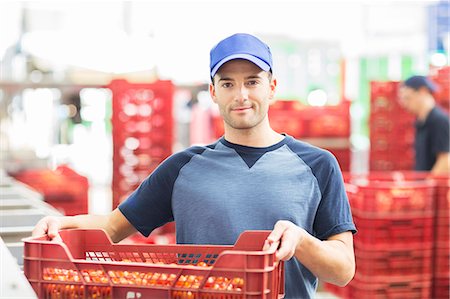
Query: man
point(251, 178)
point(432, 140)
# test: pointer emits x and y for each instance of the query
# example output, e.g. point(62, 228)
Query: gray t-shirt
point(217, 191)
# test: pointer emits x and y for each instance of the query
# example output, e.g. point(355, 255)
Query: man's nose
point(242, 93)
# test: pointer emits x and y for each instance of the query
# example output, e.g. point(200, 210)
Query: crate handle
point(251, 240)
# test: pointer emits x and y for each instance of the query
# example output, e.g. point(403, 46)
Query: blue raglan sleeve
point(150, 205)
point(333, 214)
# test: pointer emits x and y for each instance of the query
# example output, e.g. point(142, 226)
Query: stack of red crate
point(391, 129)
point(394, 215)
point(142, 124)
point(63, 188)
point(441, 281)
point(441, 77)
point(314, 124)
point(309, 123)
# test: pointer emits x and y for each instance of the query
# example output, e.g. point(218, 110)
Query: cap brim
point(260, 63)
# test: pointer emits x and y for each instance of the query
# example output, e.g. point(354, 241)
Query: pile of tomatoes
point(132, 278)
point(60, 291)
point(141, 278)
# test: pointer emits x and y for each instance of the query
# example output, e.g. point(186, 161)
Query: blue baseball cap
point(417, 82)
point(243, 46)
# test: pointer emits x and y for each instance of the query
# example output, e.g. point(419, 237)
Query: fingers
point(287, 248)
point(288, 235)
point(266, 245)
point(46, 226)
point(40, 229)
point(53, 228)
point(277, 231)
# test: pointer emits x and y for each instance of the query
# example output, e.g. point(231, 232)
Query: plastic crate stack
point(442, 79)
point(441, 280)
point(142, 129)
point(63, 188)
point(394, 215)
point(391, 129)
point(325, 126)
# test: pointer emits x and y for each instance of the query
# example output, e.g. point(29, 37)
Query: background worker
point(432, 137)
point(251, 178)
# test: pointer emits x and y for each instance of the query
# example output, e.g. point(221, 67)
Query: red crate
point(393, 232)
point(388, 123)
point(343, 155)
point(377, 164)
point(143, 134)
point(287, 105)
point(340, 292)
point(384, 198)
point(63, 188)
point(391, 141)
point(159, 239)
point(388, 88)
point(381, 126)
point(418, 287)
point(383, 103)
point(441, 259)
point(217, 126)
point(289, 122)
point(86, 263)
point(443, 195)
point(441, 287)
point(442, 230)
point(327, 121)
point(396, 153)
point(380, 264)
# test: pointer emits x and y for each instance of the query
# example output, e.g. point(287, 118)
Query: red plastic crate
point(88, 265)
point(380, 264)
point(387, 124)
point(143, 134)
point(63, 188)
point(382, 198)
point(443, 195)
point(340, 292)
point(442, 230)
point(327, 121)
point(289, 122)
point(343, 155)
point(393, 232)
point(441, 287)
point(389, 141)
point(441, 259)
point(395, 153)
point(384, 103)
point(418, 287)
point(384, 87)
point(160, 239)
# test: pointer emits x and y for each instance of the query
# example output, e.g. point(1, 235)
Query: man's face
point(243, 93)
point(410, 98)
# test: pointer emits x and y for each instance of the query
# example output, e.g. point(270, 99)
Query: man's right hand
point(49, 225)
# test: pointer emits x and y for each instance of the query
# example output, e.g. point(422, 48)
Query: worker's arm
point(115, 224)
point(331, 260)
point(442, 164)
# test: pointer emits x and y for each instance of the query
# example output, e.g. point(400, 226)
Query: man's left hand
point(290, 237)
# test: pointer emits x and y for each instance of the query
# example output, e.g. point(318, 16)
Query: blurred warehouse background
point(94, 95)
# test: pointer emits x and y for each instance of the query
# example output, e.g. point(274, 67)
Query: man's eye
point(252, 82)
point(226, 85)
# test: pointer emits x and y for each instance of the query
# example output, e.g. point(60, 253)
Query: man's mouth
point(238, 109)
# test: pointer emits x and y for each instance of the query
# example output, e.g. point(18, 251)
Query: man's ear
point(273, 87)
point(212, 92)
